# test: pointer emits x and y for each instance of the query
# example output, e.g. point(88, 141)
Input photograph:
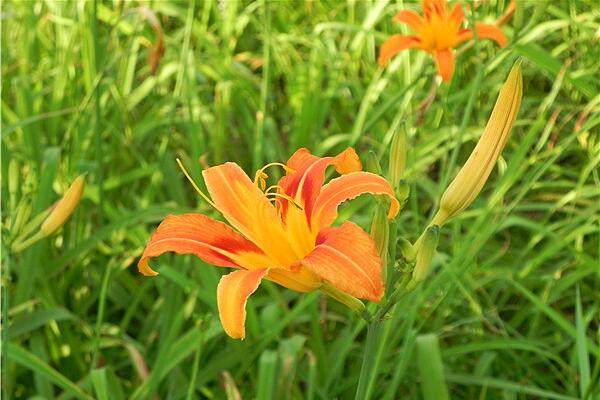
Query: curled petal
point(431, 7)
point(484, 31)
point(347, 187)
point(232, 294)
point(445, 64)
point(394, 45)
point(409, 18)
point(347, 258)
point(306, 180)
point(508, 13)
point(248, 209)
point(457, 15)
point(304, 183)
point(210, 240)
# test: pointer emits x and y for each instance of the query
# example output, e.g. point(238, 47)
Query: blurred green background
point(87, 87)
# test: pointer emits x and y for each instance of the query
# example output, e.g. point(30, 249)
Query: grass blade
point(431, 368)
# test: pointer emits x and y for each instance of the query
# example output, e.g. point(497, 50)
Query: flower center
point(274, 193)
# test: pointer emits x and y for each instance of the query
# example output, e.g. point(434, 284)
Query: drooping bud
point(473, 175)
point(64, 208)
point(425, 252)
point(397, 163)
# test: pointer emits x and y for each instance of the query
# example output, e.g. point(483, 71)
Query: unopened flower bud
point(398, 157)
point(473, 175)
point(64, 208)
point(380, 233)
point(425, 252)
point(402, 191)
point(350, 301)
point(407, 250)
point(372, 163)
point(13, 180)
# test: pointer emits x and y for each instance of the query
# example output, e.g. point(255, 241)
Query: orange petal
point(347, 187)
point(430, 7)
point(394, 45)
point(347, 258)
point(304, 184)
point(510, 10)
point(210, 240)
point(232, 294)
point(484, 31)
point(457, 15)
point(445, 64)
point(247, 208)
point(409, 18)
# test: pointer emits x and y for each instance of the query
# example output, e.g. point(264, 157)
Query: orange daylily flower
point(438, 32)
point(285, 232)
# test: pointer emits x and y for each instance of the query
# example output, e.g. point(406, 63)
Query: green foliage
point(512, 298)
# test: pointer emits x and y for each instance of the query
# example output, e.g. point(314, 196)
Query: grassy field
point(513, 305)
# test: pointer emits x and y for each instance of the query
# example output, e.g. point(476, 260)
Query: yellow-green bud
point(398, 156)
point(473, 175)
point(380, 233)
point(64, 208)
point(402, 191)
point(13, 180)
point(372, 163)
point(425, 252)
point(21, 216)
point(407, 250)
point(350, 301)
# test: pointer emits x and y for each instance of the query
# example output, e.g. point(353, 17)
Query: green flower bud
point(397, 164)
point(425, 252)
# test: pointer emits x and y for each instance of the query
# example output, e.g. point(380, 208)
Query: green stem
point(19, 246)
point(368, 369)
point(377, 334)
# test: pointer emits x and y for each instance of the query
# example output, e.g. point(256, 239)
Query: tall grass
point(513, 307)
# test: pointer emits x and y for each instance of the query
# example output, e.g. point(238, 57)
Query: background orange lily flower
point(437, 32)
point(290, 242)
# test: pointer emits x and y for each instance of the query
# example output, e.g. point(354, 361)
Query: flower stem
point(371, 358)
point(377, 334)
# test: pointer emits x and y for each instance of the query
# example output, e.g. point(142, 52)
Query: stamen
point(270, 188)
point(260, 176)
point(286, 197)
point(189, 178)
